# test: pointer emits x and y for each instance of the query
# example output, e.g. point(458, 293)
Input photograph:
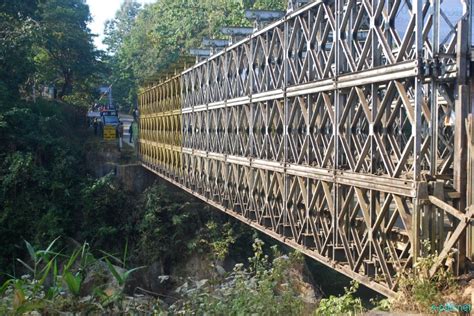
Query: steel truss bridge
point(343, 130)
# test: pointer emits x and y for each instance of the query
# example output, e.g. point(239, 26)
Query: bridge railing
point(160, 127)
point(337, 129)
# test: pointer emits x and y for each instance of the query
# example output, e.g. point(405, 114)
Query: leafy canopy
point(144, 42)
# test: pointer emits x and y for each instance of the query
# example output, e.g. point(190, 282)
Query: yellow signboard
point(109, 132)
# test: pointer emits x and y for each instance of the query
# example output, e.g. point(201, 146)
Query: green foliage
point(266, 288)
point(44, 188)
point(169, 226)
point(105, 218)
point(273, 4)
point(121, 277)
point(174, 225)
point(161, 31)
point(223, 13)
point(19, 31)
point(40, 158)
point(381, 304)
point(45, 43)
point(145, 42)
point(73, 283)
point(345, 304)
point(418, 290)
point(27, 292)
point(62, 292)
point(118, 29)
point(221, 238)
point(65, 53)
point(263, 289)
point(17, 35)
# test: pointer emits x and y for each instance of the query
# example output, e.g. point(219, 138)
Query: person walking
point(134, 132)
point(130, 132)
point(120, 135)
point(96, 125)
point(135, 137)
point(135, 114)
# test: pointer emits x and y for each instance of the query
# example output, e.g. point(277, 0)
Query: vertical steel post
point(285, 122)
point(338, 10)
point(462, 107)
point(470, 130)
point(376, 61)
point(434, 89)
point(435, 215)
point(416, 128)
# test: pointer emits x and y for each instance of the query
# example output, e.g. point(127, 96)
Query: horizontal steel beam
point(264, 15)
point(404, 187)
point(200, 52)
point(215, 42)
point(382, 74)
point(237, 31)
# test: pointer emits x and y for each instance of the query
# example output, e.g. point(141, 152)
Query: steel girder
point(331, 130)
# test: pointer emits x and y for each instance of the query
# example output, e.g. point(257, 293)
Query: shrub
point(261, 289)
point(418, 290)
point(55, 280)
point(344, 304)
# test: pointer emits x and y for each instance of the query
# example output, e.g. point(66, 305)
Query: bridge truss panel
point(160, 139)
point(332, 130)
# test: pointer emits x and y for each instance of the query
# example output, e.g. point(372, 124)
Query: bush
point(169, 226)
point(108, 217)
point(40, 159)
point(174, 225)
point(55, 281)
point(261, 289)
point(344, 304)
point(418, 291)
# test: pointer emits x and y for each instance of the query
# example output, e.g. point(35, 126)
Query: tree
point(116, 32)
point(117, 29)
point(17, 35)
point(24, 8)
point(40, 149)
point(167, 29)
point(66, 52)
point(146, 42)
point(270, 4)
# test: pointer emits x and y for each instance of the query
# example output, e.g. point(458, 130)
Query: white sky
point(101, 11)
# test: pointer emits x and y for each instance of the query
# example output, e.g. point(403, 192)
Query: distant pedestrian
point(130, 132)
point(135, 114)
point(135, 137)
point(120, 135)
point(96, 125)
point(135, 132)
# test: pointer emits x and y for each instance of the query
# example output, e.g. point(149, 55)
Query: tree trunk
point(67, 85)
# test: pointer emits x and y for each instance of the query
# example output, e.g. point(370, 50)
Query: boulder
point(149, 280)
point(98, 276)
point(197, 266)
point(300, 278)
